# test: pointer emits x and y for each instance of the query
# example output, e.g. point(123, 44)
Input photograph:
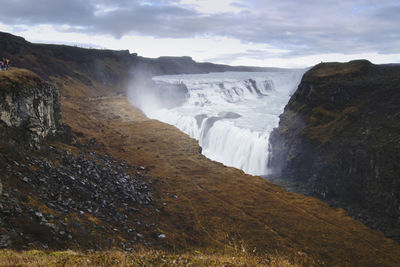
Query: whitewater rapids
point(231, 114)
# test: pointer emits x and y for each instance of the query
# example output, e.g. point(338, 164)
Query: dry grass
point(16, 76)
point(142, 258)
point(331, 69)
point(216, 205)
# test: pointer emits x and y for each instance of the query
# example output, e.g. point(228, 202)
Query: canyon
point(184, 202)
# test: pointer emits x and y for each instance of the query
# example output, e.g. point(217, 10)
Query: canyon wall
point(339, 139)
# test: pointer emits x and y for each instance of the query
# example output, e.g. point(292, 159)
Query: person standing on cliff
point(7, 63)
point(4, 63)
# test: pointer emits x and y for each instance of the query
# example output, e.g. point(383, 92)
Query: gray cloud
point(304, 27)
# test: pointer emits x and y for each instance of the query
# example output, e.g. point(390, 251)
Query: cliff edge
point(30, 104)
point(339, 139)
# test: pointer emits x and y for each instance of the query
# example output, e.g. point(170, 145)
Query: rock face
point(29, 103)
point(339, 138)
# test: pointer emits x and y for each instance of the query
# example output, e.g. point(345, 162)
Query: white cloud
point(307, 61)
point(211, 6)
point(256, 32)
point(5, 28)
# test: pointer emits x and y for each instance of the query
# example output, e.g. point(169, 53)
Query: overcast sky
point(285, 33)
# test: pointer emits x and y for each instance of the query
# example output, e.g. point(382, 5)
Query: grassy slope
point(141, 258)
point(217, 206)
point(80, 72)
point(18, 78)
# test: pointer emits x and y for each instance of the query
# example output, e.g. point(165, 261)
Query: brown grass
point(20, 77)
point(216, 205)
point(333, 68)
point(140, 258)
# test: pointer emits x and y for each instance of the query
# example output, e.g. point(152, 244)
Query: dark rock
point(30, 104)
point(339, 138)
point(78, 184)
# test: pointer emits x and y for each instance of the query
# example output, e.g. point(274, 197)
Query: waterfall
point(231, 114)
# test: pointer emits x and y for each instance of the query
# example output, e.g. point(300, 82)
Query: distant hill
point(186, 65)
point(97, 71)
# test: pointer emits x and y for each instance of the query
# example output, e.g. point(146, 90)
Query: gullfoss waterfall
point(231, 114)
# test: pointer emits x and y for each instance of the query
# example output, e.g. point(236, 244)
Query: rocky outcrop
point(339, 138)
point(29, 104)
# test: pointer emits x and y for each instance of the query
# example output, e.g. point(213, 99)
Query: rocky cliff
point(29, 104)
point(339, 139)
point(50, 197)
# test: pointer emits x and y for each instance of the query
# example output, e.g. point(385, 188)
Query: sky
point(283, 33)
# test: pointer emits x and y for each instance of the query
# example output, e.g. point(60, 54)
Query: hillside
point(339, 138)
point(54, 192)
point(96, 72)
point(198, 207)
point(211, 206)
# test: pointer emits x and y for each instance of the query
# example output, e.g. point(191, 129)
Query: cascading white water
point(231, 114)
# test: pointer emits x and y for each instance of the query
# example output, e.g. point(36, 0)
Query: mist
point(152, 96)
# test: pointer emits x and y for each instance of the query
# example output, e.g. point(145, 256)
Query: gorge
point(231, 114)
point(333, 125)
point(115, 180)
point(339, 138)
